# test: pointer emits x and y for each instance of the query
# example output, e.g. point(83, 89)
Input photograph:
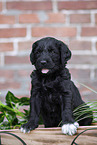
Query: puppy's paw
point(26, 128)
point(76, 124)
point(70, 129)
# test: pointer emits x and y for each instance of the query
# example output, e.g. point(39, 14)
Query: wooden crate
point(51, 136)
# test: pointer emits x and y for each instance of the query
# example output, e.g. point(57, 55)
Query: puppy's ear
point(65, 53)
point(32, 57)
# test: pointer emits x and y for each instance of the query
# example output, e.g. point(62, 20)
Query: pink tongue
point(45, 71)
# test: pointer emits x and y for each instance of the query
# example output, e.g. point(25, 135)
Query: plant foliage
point(85, 111)
point(10, 113)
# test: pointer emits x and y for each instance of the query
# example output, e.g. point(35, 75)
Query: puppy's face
point(47, 55)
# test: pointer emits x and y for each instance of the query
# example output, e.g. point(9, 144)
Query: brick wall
point(23, 22)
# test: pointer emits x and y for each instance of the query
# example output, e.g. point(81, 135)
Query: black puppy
point(53, 94)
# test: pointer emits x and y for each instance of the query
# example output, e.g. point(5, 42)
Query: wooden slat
point(51, 136)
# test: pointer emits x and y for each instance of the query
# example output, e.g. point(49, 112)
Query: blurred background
point(23, 22)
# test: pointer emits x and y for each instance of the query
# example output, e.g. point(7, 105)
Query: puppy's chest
point(50, 85)
point(50, 93)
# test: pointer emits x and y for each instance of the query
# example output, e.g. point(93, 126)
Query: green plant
point(81, 110)
point(11, 114)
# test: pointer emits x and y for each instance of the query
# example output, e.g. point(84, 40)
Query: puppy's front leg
point(69, 126)
point(35, 105)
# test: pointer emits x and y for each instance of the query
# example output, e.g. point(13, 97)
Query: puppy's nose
point(43, 61)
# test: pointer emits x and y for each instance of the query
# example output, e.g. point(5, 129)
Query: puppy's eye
point(39, 51)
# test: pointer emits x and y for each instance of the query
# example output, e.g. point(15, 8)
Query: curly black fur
point(53, 94)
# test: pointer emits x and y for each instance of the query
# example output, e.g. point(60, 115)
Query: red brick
point(80, 18)
point(89, 31)
point(56, 18)
point(96, 18)
point(83, 59)
point(7, 19)
point(79, 74)
point(28, 18)
point(87, 94)
point(17, 60)
point(80, 45)
point(77, 5)
point(39, 5)
point(12, 32)
point(9, 85)
point(7, 74)
point(25, 45)
point(6, 47)
point(54, 31)
point(24, 73)
point(90, 97)
point(0, 6)
point(83, 89)
point(92, 84)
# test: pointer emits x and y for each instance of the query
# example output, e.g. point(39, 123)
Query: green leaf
point(5, 125)
point(1, 117)
point(86, 110)
point(9, 117)
point(26, 114)
point(1, 108)
point(5, 108)
point(15, 121)
point(11, 99)
point(24, 101)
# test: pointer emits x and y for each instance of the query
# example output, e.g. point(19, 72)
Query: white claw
point(28, 131)
point(24, 131)
point(21, 129)
point(70, 129)
point(76, 124)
